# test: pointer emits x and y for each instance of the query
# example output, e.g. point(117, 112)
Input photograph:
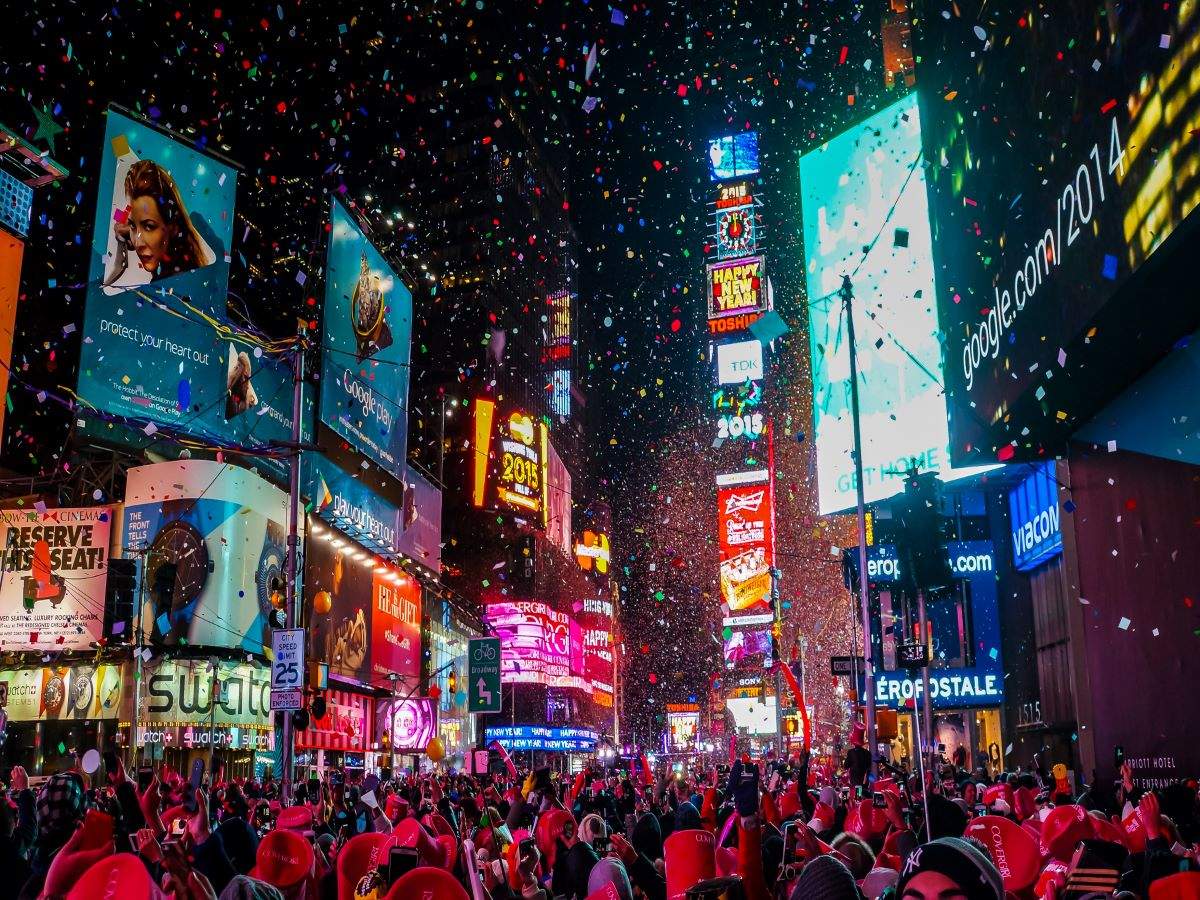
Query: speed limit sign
point(287, 668)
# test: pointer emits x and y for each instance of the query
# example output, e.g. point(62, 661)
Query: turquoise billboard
point(368, 327)
point(158, 353)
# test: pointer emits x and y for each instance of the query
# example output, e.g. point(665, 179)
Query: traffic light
point(790, 726)
point(921, 539)
point(521, 567)
point(119, 589)
point(850, 569)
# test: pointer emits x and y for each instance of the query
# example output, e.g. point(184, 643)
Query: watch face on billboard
point(511, 456)
point(733, 156)
point(868, 182)
point(368, 327)
point(736, 287)
point(1047, 208)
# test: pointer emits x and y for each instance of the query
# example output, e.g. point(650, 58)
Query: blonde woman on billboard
point(149, 220)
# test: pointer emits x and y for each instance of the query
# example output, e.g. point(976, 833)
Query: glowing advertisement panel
point(869, 181)
point(535, 644)
point(53, 567)
point(752, 715)
point(683, 729)
point(511, 456)
point(595, 623)
point(222, 529)
point(156, 347)
point(748, 647)
point(368, 331)
point(747, 550)
point(736, 287)
point(733, 156)
point(1048, 208)
point(11, 253)
point(406, 726)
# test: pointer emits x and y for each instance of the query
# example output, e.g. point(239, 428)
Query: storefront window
point(448, 657)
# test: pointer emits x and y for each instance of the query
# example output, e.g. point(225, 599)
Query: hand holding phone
point(196, 780)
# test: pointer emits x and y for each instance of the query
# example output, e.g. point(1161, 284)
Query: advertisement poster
point(12, 251)
point(746, 546)
point(558, 501)
point(1047, 210)
point(866, 182)
point(510, 459)
point(52, 577)
point(736, 287)
point(221, 533)
point(368, 331)
point(55, 693)
point(157, 287)
point(405, 726)
point(595, 622)
point(535, 644)
point(748, 648)
point(422, 521)
point(733, 156)
point(351, 505)
point(683, 726)
point(373, 626)
point(343, 728)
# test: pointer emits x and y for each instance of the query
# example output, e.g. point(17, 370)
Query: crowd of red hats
point(752, 830)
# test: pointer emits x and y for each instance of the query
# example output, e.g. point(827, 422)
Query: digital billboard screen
point(156, 352)
point(1047, 208)
point(223, 530)
point(746, 546)
point(510, 461)
point(537, 644)
point(865, 211)
point(683, 728)
point(372, 627)
point(733, 156)
point(736, 287)
point(12, 251)
point(406, 726)
point(368, 332)
point(595, 623)
point(747, 648)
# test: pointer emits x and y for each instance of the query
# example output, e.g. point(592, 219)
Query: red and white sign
point(343, 728)
point(746, 545)
point(395, 623)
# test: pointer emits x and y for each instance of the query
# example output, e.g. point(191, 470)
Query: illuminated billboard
point(746, 545)
point(537, 645)
point(371, 626)
point(557, 330)
point(11, 252)
point(733, 194)
point(747, 648)
point(368, 331)
point(156, 348)
point(733, 156)
point(510, 461)
point(739, 362)
point(595, 623)
point(869, 182)
point(1047, 209)
point(752, 715)
point(736, 287)
point(222, 530)
point(737, 232)
point(683, 726)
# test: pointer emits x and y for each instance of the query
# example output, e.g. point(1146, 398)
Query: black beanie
point(959, 861)
point(825, 878)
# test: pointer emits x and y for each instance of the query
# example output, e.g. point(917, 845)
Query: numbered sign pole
point(287, 668)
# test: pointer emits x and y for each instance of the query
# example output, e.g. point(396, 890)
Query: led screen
point(1047, 207)
point(683, 728)
point(511, 455)
point(368, 327)
point(733, 156)
point(537, 644)
point(747, 550)
point(865, 212)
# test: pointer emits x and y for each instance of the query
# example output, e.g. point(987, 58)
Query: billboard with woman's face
point(157, 350)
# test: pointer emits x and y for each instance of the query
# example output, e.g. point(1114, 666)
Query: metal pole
point(214, 694)
point(921, 768)
point(777, 629)
point(288, 750)
point(614, 597)
point(137, 667)
point(847, 295)
point(926, 703)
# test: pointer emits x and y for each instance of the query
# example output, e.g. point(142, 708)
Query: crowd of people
point(750, 830)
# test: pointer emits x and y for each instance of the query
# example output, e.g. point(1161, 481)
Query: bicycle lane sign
point(483, 675)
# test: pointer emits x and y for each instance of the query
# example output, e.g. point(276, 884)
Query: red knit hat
point(550, 825)
point(1012, 848)
point(121, 875)
point(1180, 886)
point(295, 818)
point(1063, 829)
point(284, 859)
point(362, 853)
point(690, 857)
point(426, 883)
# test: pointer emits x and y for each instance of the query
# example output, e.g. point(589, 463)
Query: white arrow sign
point(484, 694)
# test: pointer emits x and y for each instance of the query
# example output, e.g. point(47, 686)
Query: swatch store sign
point(176, 708)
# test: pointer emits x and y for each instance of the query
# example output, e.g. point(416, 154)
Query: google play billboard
point(866, 215)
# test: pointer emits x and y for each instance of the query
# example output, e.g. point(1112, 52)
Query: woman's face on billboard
point(149, 234)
